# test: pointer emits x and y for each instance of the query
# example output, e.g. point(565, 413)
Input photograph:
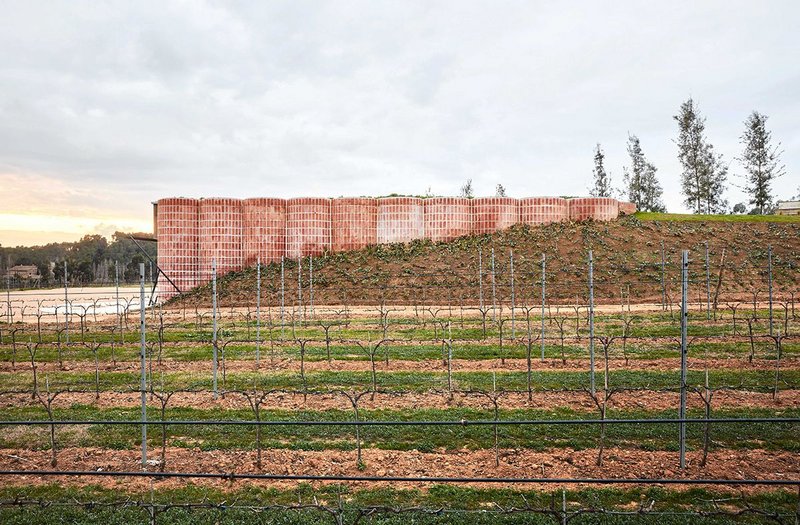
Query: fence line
point(517, 283)
point(231, 476)
point(338, 512)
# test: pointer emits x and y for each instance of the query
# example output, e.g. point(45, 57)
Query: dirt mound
point(560, 463)
point(627, 266)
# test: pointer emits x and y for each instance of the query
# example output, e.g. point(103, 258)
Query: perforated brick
point(400, 219)
point(308, 226)
point(177, 227)
point(491, 214)
point(543, 210)
point(264, 230)
point(191, 233)
point(627, 208)
point(220, 237)
point(447, 218)
point(354, 223)
point(593, 208)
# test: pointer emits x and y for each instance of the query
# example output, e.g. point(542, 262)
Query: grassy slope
point(769, 436)
point(626, 254)
point(688, 217)
point(478, 500)
point(409, 381)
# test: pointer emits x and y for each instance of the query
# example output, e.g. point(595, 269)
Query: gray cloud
point(292, 98)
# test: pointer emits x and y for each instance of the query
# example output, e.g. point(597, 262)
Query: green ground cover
point(444, 504)
point(741, 436)
point(419, 381)
point(689, 217)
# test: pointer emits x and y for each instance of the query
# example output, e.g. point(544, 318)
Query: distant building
point(24, 272)
point(788, 208)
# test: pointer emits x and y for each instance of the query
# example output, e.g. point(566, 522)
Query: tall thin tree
point(466, 189)
point(640, 180)
point(715, 183)
point(704, 172)
point(601, 180)
point(761, 162)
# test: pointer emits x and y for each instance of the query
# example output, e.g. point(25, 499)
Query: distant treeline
point(89, 260)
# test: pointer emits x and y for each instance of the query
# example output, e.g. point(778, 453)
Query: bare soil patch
point(635, 400)
point(562, 463)
point(626, 256)
point(400, 365)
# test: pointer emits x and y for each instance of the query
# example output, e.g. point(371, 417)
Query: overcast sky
point(106, 108)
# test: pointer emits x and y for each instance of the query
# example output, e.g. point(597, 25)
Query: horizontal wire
point(370, 510)
point(405, 479)
point(462, 423)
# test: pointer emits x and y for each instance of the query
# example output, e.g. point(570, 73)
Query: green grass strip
point(640, 436)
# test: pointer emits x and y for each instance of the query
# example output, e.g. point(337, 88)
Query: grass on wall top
point(690, 217)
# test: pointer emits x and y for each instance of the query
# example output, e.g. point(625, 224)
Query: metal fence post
point(116, 293)
point(480, 277)
point(300, 311)
point(544, 268)
point(143, 364)
point(708, 285)
point(591, 323)
point(311, 285)
point(66, 302)
point(513, 327)
point(258, 311)
point(769, 261)
point(214, 317)
point(494, 291)
point(283, 295)
point(663, 283)
point(449, 359)
point(8, 295)
point(684, 350)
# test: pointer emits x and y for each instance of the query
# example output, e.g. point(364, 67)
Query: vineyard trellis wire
point(561, 512)
point(363, 326)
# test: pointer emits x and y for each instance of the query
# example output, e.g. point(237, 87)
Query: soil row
point(561, 463)
point(402, 365)
point(639, 400)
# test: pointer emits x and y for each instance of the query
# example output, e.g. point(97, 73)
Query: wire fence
point(561, 510)
point(283, 339)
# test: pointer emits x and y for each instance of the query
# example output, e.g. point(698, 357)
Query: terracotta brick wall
point(264, 230)
point(354, 223)
point(220, 236)
point(400, 219)
point(192, 232)
point(594, 208)
point(177, 226)
point(308, 226)
point(447, 218)
point(543, 210)
point(494, 213)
